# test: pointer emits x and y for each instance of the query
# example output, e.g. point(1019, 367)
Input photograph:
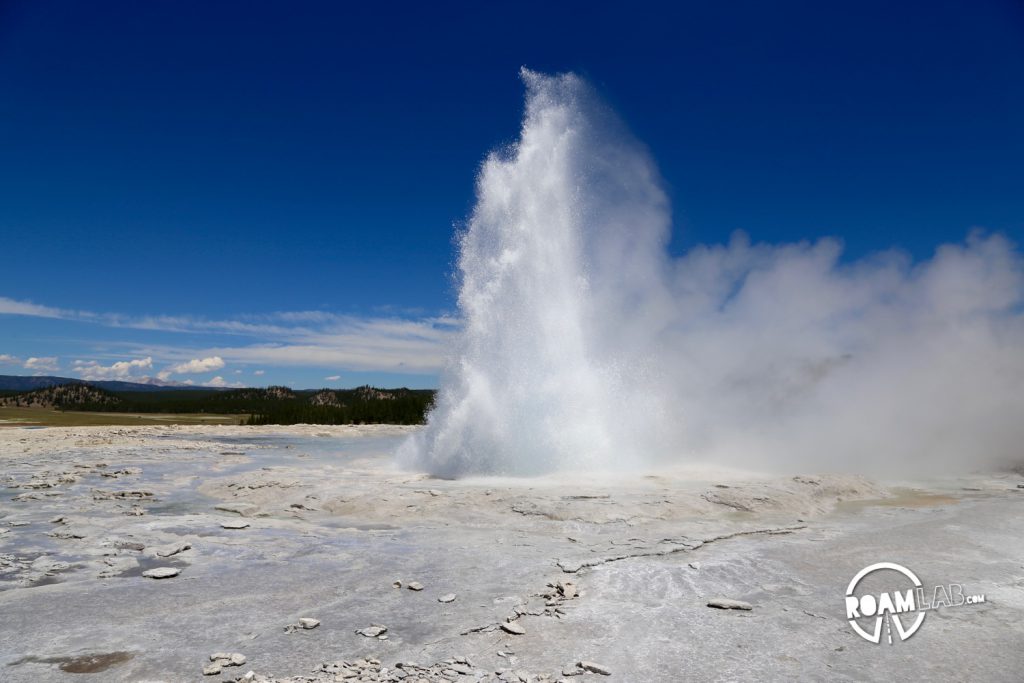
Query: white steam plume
point(586, 346)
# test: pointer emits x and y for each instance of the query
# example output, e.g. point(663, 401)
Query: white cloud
point(43, 364)
point(333, 378)
point(259, 372)
point(7, 359)
point(219, 381)
point(126, 370)
point(13, 307)
point(197, 366)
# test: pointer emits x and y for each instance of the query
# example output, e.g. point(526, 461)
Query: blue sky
point(265, 193)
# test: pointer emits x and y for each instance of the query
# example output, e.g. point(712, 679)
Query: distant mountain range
point(21, 383)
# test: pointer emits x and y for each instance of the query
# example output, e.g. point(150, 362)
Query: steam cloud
point(586, 346)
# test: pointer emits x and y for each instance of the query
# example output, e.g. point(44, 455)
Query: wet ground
point(86, 512)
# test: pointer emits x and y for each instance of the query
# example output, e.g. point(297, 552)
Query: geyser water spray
point(586, 346)
point(555, 270)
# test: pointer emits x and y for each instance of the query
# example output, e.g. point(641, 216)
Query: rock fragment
point(170, 549)
point(447, 597)
point(308, 622)
point(228, 658)
point(372, 631)
point(415, 586)
point(513, 628)
point(595, 668)
point(161, 572)
point(729, 603)
point(244, 509)
point(235, 525)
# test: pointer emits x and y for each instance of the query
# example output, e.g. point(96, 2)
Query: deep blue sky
point(220, 161)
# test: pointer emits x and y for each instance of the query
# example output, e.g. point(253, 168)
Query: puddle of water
point(81, 664)
point(342, 524)
point(901, 498)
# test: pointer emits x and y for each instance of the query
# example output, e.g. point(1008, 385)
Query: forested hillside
point(270, 405)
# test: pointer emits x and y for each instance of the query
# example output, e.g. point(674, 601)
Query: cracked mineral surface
point(570, 577)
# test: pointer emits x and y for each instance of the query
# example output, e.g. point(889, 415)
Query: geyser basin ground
point(332, 523)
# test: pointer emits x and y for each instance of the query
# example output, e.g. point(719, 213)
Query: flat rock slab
point(235, 525)
point(729, 603)
point(513, 628)
point(169, 550)
point(595, 668)
point(244, 509)
point(161, 572)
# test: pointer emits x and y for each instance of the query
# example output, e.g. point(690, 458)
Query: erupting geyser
point(585, 346)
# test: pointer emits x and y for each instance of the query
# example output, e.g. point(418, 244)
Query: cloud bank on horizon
point(393, 347)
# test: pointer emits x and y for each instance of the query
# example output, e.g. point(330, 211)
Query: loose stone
point(729, 603)
point(161, 572)
point(513, 628)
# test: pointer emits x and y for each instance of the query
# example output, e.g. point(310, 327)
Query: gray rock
point(513, 628)
point(595, 668)
point(235, 525)
point(415, 586)
point(729, 603)
point(244, 509)
point(447, 597)
point(129, 545)
point(228, 658)
point(169, 550)
point(308, 623)
point(161, 572)
point(372, 631)
point(211, 669)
